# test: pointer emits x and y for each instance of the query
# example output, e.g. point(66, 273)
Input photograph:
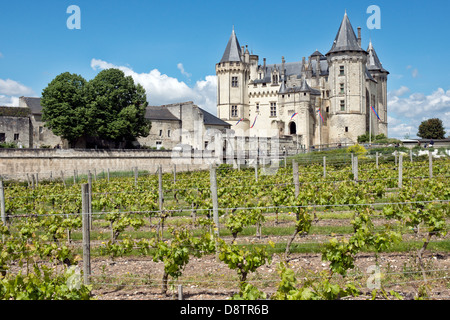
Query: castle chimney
point(282, 67)
point(359, 36)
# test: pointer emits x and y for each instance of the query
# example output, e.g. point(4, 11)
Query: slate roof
point(373, 63)
point(159, 113)
point(303, 88)
point(34, 104)
point(162, 113)
point(317, 53)
point(233, 50)
point(346, 39)
point(209, 119)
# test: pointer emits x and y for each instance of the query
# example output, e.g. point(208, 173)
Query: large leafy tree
point(431, 129)
point(64, 107)
point(109, 108)
point(119, 106)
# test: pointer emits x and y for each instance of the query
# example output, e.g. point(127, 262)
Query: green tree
point(64, 107)
point(119, 106)
point(431, 129)
point(109, 108)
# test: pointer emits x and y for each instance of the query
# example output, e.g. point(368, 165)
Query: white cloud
point(414, 71)
point(162, 89)
point(399, 92)
point(9, 101)
point(407, 113)
point(183, 72)
point(13, 88)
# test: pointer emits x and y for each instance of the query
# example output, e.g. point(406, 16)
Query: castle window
point(341, 88)
point(234, 111)
point(328, 109)
point(275, 78)
point(346, 129)
point(168, 133)
point(273, 109)
point(341, 70)
point(160, 133)
point(342, 105)
point(2, 137)
point(257, 107)
point(16, 136)
point(234, 81)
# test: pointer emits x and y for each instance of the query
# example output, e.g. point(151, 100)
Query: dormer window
point(275, 79)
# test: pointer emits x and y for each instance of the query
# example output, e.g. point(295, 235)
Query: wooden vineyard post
point(430, 163)
point(62, 178)
point(256, 170)
point(324, 167)
point(355, 168)
point(37, 180)
point(174, 173)
point(136, 173)
point(180, 292)
point(400, 171)
point(296, 180)
point(2, 202)
point(108, 174)
point(410, 155)
point(160, 188)
point(74, 177)
point(86, 233)
point(215, 203)
point(376, 157)
point(90, 198)
point(396, 156)
point(161, 202)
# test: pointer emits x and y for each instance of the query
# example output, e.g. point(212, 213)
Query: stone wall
point(16, 163)
point(16, 129)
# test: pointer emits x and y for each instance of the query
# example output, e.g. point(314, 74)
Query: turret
point(232, 79)
point(347, 69)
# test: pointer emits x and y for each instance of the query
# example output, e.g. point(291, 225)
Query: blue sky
point(171, 47)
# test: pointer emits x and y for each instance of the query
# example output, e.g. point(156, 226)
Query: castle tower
point(380, 74)
point(347, 83)
point(233, 72)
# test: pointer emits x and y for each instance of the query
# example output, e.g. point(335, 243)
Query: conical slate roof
point(373, 63)
point(306, 88)
point(317, 53)
point(233, 50)
point(346, 39)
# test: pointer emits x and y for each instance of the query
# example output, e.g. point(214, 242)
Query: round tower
point(233, 72)
point(347, 78)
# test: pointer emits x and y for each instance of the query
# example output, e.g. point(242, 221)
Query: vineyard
point(343, 226)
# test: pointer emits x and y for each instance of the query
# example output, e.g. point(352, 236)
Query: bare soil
point(206, 278)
